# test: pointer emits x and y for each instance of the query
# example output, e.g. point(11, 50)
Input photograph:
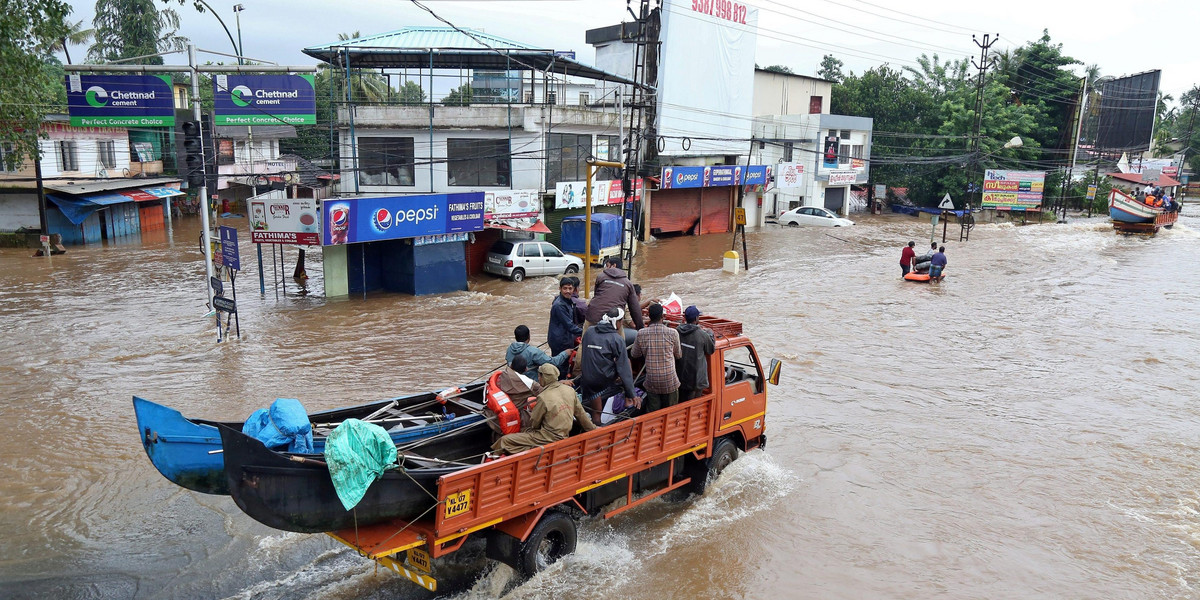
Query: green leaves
point(28, 28)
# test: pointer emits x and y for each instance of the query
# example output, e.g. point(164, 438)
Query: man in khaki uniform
point(556, 410)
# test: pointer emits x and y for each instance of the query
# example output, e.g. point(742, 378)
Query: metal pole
point(202, 194)
point(592, 164)
point(350, 113)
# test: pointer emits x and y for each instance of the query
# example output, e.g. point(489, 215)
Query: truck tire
point(706, 471)
point(552, 538)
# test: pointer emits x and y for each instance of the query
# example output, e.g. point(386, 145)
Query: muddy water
point(1027, 429)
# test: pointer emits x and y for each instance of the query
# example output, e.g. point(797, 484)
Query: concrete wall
point(783, 94)
point(19, 211)
point(87, 150)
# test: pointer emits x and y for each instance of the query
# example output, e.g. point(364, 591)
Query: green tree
point(831, 69)
point(460, 96)
point(129, 28)
point(1042, 80)
point(411, 93)
point(74, 35)
point(365, 86)
point(779, 69)
point(938, 78)
point(29, 28)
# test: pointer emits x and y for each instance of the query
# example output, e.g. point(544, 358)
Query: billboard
point(511, 204)
point(706, 76)
point(1127, 107)
point(357, 220)
point(573, 194)
point(718, 176)
point(842, 177)
point(120, 101)
point(264, 100)
point(284, 221)
point(1013, 190)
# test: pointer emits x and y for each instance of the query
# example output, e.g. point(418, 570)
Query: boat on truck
point(524, 505)
point(1132, 216)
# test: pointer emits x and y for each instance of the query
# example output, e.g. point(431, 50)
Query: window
point(385, 161)
point(478, 162)
point(530, 251)
point(608, 147)
point(502, 247)
point(549, 251)
point(528, 97)
point(551, 97)
point(107, 152)
point(584, 98)
point(815, 104)
point(225, 152)
point(67, 160)
point(844, 154)
point(788, 148)
point(740, 365)
point(845, 134)
point(5, 153)
point(566, 157)
point(856, 151)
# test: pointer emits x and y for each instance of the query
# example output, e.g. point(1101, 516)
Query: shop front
point(407, 244)
point(699, 200)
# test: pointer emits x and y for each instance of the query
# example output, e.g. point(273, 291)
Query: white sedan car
point(813, 216)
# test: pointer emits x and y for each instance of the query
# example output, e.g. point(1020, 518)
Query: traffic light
point(193, 152)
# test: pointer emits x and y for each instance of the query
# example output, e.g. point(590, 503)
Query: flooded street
point(1026, 429)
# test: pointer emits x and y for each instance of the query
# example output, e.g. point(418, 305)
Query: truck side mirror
point(774, 370)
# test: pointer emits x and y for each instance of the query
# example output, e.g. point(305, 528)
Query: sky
point(862, 33)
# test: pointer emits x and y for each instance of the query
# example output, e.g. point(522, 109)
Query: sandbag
point(357, 453)
point(283, 426)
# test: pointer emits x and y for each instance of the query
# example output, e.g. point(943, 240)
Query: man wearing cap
point(557, 409)
point(660, 345)
point(603, 360)
point(613, 289)
point(698, 345)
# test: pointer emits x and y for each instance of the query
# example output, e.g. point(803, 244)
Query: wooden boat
point(294, 492)
point(1131, 216)
point(188, 452)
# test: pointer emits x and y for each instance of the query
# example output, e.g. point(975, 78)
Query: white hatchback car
point(814, 216)
point(519, 259)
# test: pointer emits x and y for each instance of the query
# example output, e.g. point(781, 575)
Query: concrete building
point(834, 151)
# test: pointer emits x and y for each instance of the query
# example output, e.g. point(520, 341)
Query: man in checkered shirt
point(660, 345)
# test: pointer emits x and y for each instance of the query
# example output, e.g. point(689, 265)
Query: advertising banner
point(357, 220)
point(790, 175)
point(842, 177)
point(511, 204)
point(829, 157)
point(120, 101)
point(573, 194)
point(718, 176)
point(264, 100)
point(285, 221)
point(1012, 190)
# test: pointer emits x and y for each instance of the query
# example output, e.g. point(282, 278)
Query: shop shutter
point(716, 204)
point(674, 211)
point(477, 251)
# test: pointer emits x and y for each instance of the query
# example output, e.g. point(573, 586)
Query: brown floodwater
point(1027, 429)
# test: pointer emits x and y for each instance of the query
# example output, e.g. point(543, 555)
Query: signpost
point(947, 203)
point(231, 258)
point(739, 216)
point(229, 248)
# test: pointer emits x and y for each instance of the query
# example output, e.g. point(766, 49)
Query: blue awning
point(78, 208)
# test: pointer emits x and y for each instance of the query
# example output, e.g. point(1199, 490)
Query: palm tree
point(365, 86)
point(74, 35)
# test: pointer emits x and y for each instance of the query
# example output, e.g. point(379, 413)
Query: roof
point(800, 75)
point(448, 48)
point(86, 186)
point(1163, 180)
point(263, 131)
point(310, 174)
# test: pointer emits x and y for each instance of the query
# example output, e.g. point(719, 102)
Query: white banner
point(284, 221)
point(842, 176)
point(573, 194)
point(789, 175)
point(511, 204)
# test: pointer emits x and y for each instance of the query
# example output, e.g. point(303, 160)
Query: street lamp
point(1016, 142)
point(237, 14)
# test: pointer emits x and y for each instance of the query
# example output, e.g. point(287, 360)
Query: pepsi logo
point(682, 177)
point(340, 216)
point(382, 219)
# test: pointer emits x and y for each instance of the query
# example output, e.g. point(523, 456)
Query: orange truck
point(526, 505)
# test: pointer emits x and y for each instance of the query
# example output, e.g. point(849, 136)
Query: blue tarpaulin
point(77, 209)
point(284, 425)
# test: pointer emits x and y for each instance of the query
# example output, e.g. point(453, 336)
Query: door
point(834, 198)
point(743, 392)
point(806, 216)
point(553, 260)
point(529, 257)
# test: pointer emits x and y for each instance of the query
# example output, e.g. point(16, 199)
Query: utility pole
point(983, 65)
point(1191, 126)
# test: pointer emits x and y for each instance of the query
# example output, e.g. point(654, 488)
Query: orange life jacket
point(507, 415)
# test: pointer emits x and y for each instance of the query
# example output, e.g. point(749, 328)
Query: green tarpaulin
point(357, 453)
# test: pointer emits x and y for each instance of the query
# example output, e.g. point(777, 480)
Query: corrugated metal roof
point(425, 38)
point(79, 187)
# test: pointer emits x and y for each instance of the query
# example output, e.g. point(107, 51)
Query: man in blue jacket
point(534, 356)
point(564, 329)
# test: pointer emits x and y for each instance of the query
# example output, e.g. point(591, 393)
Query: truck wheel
point(553, 538)
point(706, 471)
point(518, 275)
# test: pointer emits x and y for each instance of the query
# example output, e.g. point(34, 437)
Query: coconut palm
point(75, 35)
point(365, 85)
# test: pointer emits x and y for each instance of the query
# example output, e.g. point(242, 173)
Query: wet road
point(1027, 429)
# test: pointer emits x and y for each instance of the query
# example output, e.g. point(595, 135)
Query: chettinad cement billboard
point(264, 100)
point(120, 100)
point(706, 76)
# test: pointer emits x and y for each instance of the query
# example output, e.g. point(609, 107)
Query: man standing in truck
point(604, 360)
point(698, 344)
point(660, 345)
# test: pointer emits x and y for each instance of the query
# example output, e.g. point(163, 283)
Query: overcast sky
point(862, 33)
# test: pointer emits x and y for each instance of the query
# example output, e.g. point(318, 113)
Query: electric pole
point(983, 65)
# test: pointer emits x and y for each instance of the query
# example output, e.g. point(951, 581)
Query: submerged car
point(520, 259)
point(812, 216)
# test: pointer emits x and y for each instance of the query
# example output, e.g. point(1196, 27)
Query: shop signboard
point(264, 100)
point(371, 219)
point(842, 177)
point(790, 175)
point(573, 194)
point(511, 204)
point(1013, 190)
point(120, 101)
point(716, 176)
point(293, 221)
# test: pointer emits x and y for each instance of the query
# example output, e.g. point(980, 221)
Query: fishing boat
point(294, 492)
point(188, 452)
point(1131, 216)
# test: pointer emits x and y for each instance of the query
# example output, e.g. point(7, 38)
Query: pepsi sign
point(718, 176)
point(357, 220)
